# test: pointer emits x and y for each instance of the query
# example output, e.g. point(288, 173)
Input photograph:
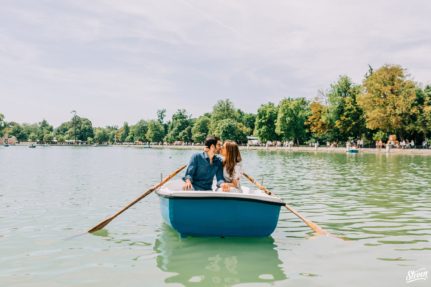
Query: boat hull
point(220, 216)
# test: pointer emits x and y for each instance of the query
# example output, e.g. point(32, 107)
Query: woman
point(232, 166)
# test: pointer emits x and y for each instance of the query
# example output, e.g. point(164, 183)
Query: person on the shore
point(232, 166)
point(204, 166)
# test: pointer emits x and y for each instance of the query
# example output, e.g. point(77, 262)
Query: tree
point(317, 121)
point(124, 132)
point(101, 136)
point(161, 114)
point(229, 129)
point(2, 124)
point(186, 134)
point(155, 132)
point(427, 112)
point(248, 119)
point(223, 109)
point(85, 129)
point(31, 131)
point(179, 124)
point(45, 132)
point(139, 131)
point(77, 128)
point(60, 138)
point(17, 131)
point(48, 137)
point(345, 117)
point(388, 100)
point(265, 122)
point(200, 129)
point(291, 117)
point(111, 131)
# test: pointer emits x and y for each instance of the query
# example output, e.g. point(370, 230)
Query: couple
point(203, 166)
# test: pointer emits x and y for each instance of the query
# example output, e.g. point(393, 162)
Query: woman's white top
point(237, 173)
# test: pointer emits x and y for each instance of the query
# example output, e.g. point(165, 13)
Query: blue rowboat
point(217, 213)
point(352, 150)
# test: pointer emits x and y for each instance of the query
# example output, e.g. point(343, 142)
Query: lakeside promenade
point(395, 151)
point(322, 149)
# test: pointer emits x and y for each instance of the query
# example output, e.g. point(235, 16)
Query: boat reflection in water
point(215, 261)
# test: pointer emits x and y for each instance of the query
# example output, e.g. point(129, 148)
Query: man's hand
point(187, 185)
point(225, 187)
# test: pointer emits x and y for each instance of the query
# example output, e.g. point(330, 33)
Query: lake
point(49, 196)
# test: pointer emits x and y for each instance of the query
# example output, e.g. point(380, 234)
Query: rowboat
point(352, 150)
point(250, 213)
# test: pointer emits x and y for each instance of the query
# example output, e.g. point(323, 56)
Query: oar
point(108, 220)
point(311, 224)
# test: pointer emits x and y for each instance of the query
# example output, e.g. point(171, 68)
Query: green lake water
point(49, 196)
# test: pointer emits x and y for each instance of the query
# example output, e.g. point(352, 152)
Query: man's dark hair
point(211, 140)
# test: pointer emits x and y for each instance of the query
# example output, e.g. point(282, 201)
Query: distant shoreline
point(394, 151)
point(342, 150)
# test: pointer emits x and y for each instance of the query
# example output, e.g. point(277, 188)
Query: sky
point(117, 61)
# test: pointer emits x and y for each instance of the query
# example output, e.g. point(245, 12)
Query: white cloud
point(116, 61)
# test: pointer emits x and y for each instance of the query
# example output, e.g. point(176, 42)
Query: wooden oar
point(108, 220)
point(311, 224)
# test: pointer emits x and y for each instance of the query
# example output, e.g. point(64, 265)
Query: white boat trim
point(256, 195)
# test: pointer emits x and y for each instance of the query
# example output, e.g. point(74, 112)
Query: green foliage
point(388, 100)
point(77, 128)
point(200, 129)
point(317, 121)
point(380, 136)
point(17, 131)
point(345, 117)
point(229, 129)
point(2, 124)
point(223, 109)
point(265, 123)
point(60, 138)
point(229, 123)
point(85, 129)
point(124, 133)
point(426, 113)
point(139, 131)
point(48, 137)
point(291, 118)
point(155, 132)
point(248, 120)
point(179, 127)
point(386, 103)
point(101, 136)
point(161, 114)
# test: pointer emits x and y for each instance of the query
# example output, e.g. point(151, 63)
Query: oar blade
point(100, 225)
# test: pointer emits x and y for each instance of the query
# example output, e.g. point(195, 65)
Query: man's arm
point(188, 177)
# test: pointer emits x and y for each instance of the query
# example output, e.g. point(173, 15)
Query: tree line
point(387, 102)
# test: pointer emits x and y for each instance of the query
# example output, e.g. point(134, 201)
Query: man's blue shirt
point(201, 173)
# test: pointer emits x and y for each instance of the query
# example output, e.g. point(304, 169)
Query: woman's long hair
point(232, 156)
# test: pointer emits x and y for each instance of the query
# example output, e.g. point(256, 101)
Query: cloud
point(116, 61)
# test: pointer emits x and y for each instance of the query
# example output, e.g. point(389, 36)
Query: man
point(204, 166)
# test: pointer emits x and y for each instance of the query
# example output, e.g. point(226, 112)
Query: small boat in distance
point(251, 213)
point(32, 145)
point(352, 150)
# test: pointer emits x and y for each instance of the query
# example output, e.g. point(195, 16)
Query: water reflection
point(217, 261)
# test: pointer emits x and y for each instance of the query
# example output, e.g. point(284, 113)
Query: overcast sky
point(116, 61)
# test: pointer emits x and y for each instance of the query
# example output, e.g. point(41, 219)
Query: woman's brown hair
point(232, 156)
